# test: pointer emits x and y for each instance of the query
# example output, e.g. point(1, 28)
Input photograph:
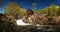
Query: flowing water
point(21, 23)
point(39, 28)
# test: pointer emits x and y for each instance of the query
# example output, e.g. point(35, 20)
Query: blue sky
point(28, 3)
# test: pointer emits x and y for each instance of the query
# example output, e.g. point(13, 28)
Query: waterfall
point(20, 22)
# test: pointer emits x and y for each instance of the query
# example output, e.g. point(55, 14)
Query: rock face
point(42, 19)
point(8, 24)
point(57, 19)
point(31, 19)
point(48, 20)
